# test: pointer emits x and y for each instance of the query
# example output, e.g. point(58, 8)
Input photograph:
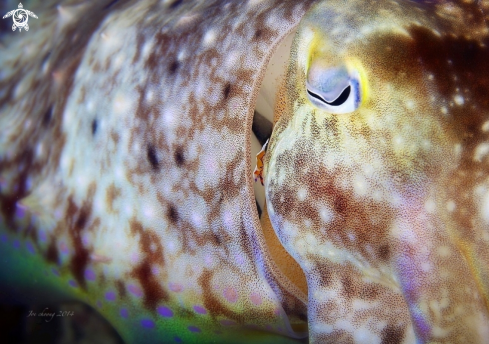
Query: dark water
point(82, 324)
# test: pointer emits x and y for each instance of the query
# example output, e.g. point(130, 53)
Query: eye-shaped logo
point(20, 17)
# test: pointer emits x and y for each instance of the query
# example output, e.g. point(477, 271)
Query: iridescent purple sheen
point(147, 323)
point(19, 211)
point(42, 236)
point(193, 329)
point(110, 296)
point(227, 322)
point(73, 283)
point(90, 275)
point(177, 340)
point(124, 313)
point(64, 249)
point(200, 310)
point(17, 244)
point(165, 312)
point(421, 323)
point(135, 290)
point(4, 238)
point(55, 271)
point(30, 248)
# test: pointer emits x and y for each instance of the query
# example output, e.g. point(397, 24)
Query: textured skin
point(386, 209)
point(125, 182)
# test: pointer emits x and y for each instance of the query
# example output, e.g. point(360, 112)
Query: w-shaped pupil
point(338, 101)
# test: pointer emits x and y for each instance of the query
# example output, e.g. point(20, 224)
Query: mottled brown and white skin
point(127, 130)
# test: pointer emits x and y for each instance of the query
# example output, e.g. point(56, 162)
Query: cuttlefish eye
point(336, 90)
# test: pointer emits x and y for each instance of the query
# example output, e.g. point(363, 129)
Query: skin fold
point(126, 135)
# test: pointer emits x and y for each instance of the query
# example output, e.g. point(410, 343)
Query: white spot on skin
point(426, 266)
point(197, 220)
point(39, 149)
point(149, 96)
point(363, 335)
point(252, 3)
point(485, 235)
point(209, 38)
point(484, 209)
point(451, 206)
point(480, 151)
point(171, 247)
point(457, 148)
point(444, 110)
point(148, 211)
point(459, 100)
point(360, 185)
point(398, 140)
point(326, 214)
point(301, 194)
point(188, 19)
point(311, 240)
point(430, 206)
point(485, 126)
point(443, 251)
point(121, 104)
point(351, 236)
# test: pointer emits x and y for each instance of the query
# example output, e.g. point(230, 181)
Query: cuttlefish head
point(377, 172)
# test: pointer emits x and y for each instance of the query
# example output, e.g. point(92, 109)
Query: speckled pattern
point(125, 179)
point(386, 209)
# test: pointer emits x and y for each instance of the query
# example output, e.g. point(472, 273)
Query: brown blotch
point(81, 220)
point(369, 292)
point(151, 248)
point(340, 203)
point(392, 335)
point(324, 273)
point(348, 287)
point(212, 303)
point(175, 4)
point(217, 239)
point(468, 60)
point(258, 34)
point(8, 202)
point(179, 156)
point(112, 3)
point(384, 252)
point(81, 255)
point(121, 288)
point(78, 219)
point(112, 193)
point(52, 254)
point(48, 116)
point(172, 214)
point(337, 336)
point(152, 158)
point(173, 67)
point(94, 126)
point(227, 90)
point(114, 136)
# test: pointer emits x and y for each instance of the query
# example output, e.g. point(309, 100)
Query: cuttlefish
point(128, 135)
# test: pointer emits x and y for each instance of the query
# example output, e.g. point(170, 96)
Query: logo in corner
point(20, 17)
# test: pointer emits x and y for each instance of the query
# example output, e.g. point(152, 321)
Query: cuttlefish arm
point(376, 174)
